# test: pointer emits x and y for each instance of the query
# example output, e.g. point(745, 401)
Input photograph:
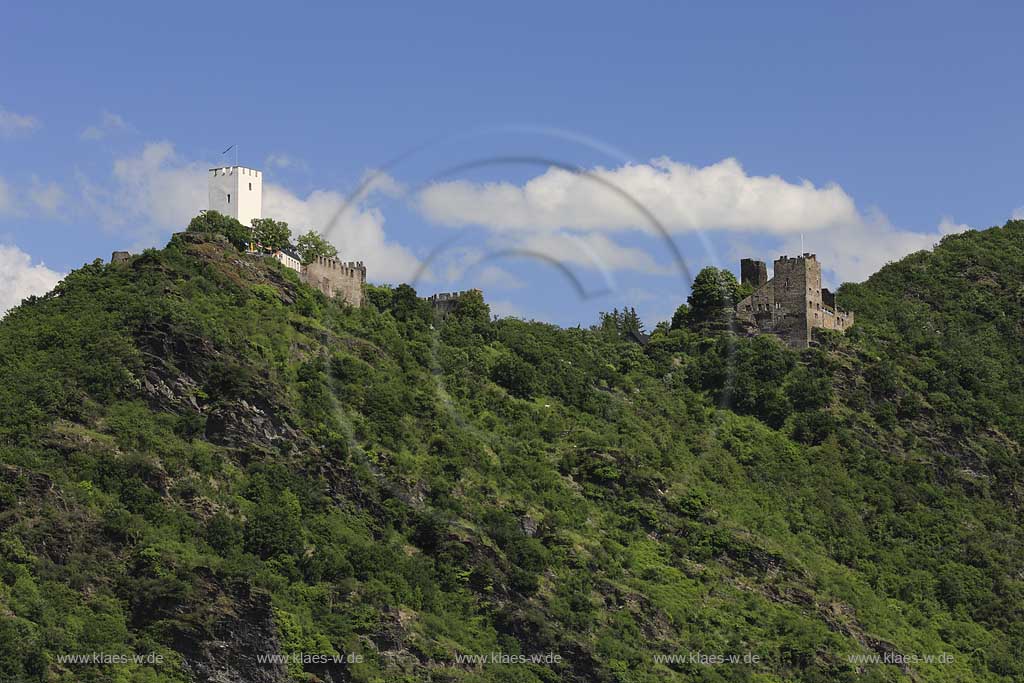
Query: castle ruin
point(792, 303)
point(444, 303)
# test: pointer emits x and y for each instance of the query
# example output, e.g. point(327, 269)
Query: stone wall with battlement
point(337, 279)
point(445, 302)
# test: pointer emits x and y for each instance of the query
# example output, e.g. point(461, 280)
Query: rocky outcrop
point(241, 424)
point(183, 369)
point(235, 636)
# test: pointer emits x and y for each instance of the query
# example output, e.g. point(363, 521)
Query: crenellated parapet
point(449, 296)
point(444, 303)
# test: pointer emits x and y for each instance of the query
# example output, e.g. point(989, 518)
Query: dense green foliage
point(271, 234)
point(194, 432)
point(714, 290)
point(217, 223)
point(311, 245)
point(626, 323)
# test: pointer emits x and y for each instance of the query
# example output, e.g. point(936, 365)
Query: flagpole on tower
point(232, 147)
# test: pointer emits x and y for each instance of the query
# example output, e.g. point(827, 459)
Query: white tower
point(237, 191)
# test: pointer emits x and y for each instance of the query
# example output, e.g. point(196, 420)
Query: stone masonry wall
point(792, 293)
point(337, 279)
point(754, 273)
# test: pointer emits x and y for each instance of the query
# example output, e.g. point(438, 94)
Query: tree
point(271, 234)
point(679, 317)
point(312, 245)
point(219, 224)
point(472, 307)
point(632, 326)
point(624, 324)
point(610, 322)
point(405, 304)
point(714, 291)
point(517, 376)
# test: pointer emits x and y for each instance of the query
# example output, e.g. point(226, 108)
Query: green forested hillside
point(204, 461)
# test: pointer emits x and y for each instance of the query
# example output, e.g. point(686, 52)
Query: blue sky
point(870, 130)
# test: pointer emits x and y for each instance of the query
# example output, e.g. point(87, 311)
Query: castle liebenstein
point(792, 302)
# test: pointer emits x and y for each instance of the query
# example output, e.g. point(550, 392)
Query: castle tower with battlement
point(237, 191)
point(792, 303)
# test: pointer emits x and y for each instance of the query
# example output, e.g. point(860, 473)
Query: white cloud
point(374, 181)
point(19, 278)
point(109, 123)
point(454, 262)
point(566, 250)
point(589, 250)
point(284, 161)
point(39, 197)
point(683, 198)
point(855, 252)
point(357, 231)
point(948, 226)
point(47, 197)
point(1018, 214)
point(12, 124)
point(458, 263)
point(494, 277)
point(506, 309)
point(150, 194)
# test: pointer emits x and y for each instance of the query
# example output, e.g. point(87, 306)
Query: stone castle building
point(444, 303)
point(791, 303)
point(237, 191)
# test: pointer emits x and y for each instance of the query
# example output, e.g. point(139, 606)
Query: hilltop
point(206, 460)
